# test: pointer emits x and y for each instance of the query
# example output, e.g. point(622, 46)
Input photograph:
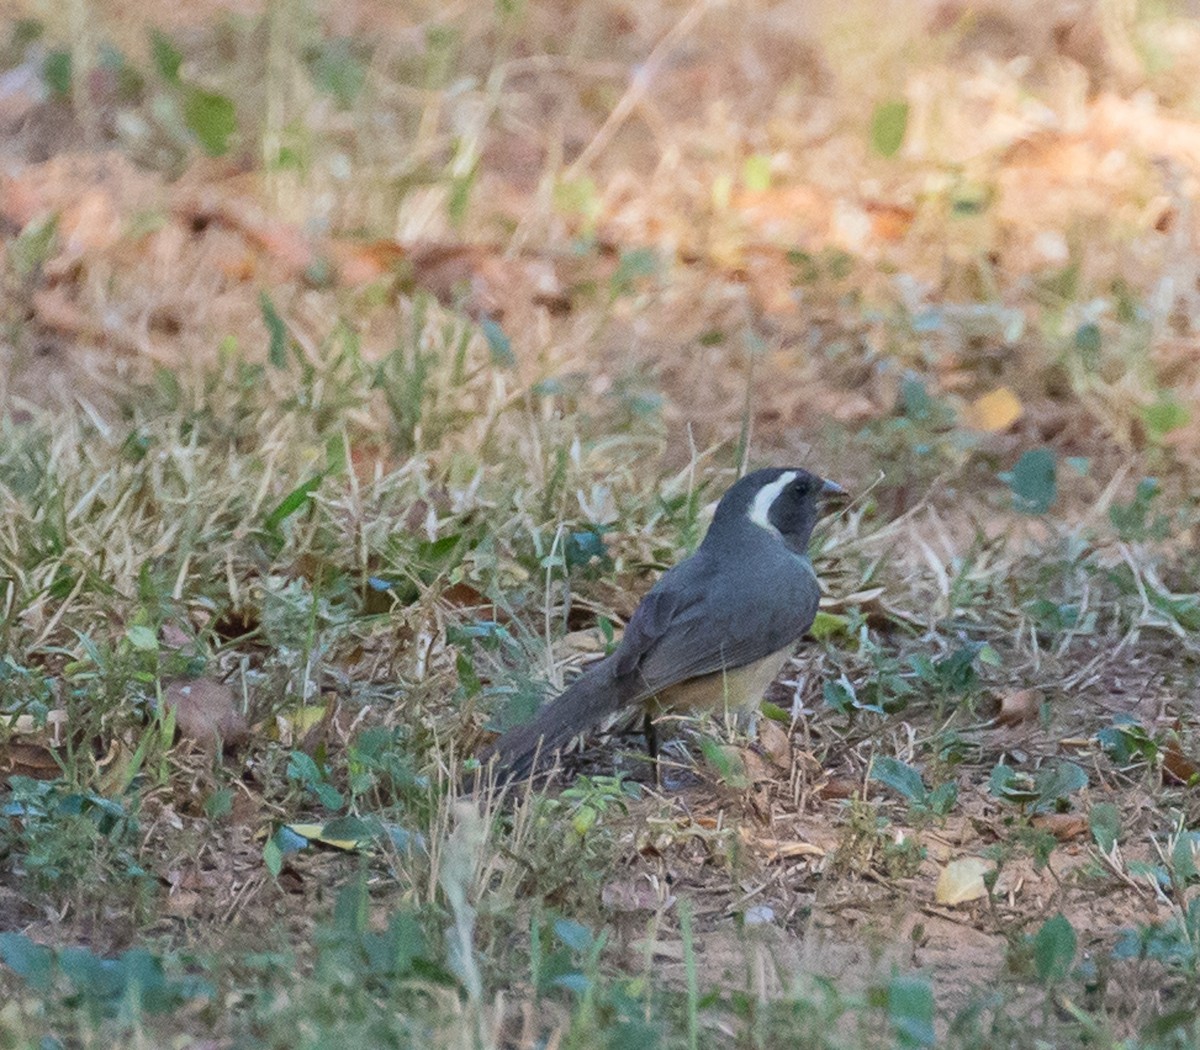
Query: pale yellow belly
point(738, 691)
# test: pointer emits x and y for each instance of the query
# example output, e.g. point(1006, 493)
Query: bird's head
point(783, 500)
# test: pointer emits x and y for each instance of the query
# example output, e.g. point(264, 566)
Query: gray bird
point(712, 634)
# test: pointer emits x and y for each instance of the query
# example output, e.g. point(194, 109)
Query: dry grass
point(536, 295)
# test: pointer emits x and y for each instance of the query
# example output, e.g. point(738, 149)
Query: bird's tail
point(597, 693)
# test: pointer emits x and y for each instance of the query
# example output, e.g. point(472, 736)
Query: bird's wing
point(695, 623)
point(657, 613)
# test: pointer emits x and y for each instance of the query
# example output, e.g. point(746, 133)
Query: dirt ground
point(795, 277)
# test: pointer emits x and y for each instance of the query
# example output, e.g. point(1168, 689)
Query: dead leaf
point(207, 712)
point(1063, 826)
point(247, 810)
point(889, 222)
point(1076, 743)
point(994, 411)
point(753, 766)
point(28, 760)
point(469, 601)
point(30, 747)
point(780, 849)
point(961, 881)
point(775, 742)
point(281, 241)
point(361, 262)
point(1020, 705)
point(1178, 765)
point(458, 272)
point(838, 787)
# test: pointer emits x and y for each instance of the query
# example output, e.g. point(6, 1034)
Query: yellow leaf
point(962, 881)
point(292, 727)
point(995, 411)
point(313, 832)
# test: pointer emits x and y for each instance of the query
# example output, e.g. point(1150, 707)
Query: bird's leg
point(650, 731)
point(748, 723)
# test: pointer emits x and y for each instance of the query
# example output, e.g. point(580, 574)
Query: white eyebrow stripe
point(760, 508)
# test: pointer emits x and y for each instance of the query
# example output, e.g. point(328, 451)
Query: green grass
point(229, 526)
point(383, 542)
